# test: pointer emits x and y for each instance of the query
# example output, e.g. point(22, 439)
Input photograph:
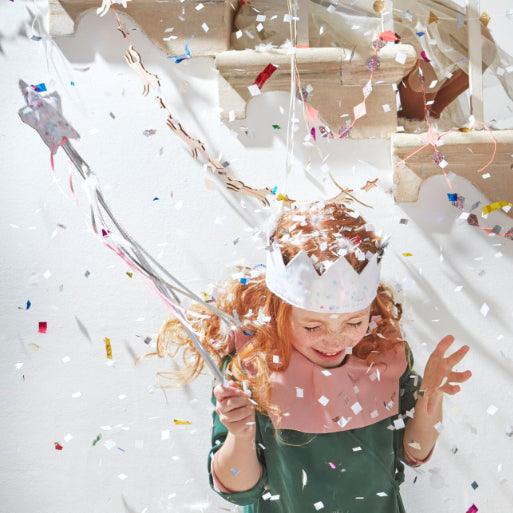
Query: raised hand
point(439, 374)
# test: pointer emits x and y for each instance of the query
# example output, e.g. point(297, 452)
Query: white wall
point(196, 243)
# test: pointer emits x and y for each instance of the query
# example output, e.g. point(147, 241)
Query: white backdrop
point(82, 290)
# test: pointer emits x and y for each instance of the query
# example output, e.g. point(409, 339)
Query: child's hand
point(235, 410)
point(438, 367)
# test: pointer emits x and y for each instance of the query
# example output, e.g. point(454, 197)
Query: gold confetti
point(464, 129)
point(129, 274)
point(407, 254)
point(494, 206)
point(283, 197)
point(108, 348)
point(432, 17)
point(378, 6)
point(179, 422)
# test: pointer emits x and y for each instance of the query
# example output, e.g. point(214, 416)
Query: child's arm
point(421, 429)
point(236, 464)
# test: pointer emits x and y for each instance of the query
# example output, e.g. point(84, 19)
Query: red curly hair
point(321, 229)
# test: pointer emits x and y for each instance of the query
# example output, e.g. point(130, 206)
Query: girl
point(330, 407)
point(437, 29)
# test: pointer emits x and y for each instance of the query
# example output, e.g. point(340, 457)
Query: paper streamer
point(44, 114)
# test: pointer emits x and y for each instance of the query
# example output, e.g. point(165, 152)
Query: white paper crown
point(339, 289)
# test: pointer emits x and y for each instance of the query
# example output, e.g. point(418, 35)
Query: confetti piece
point(179, 422)
point(407, 254)
point(452, 196)
point(276, 358)
point(205, 27)
point(495, 206)
point(43, 326)
point(108, 347)
point(318, 505)
point(185, 55)
point(304, 478)
point(97, 439)
point(472, 509)
point(386, 107)
point(492, 410)
point(254, 90)
point(357, 408)
point(424, 56)
point(432, 17)
point(264, 75)
point(40, 88)
point(474, 485)
point(484, 309)
point(277, 127)
point(149, 132)
point(27, 306)
point(130, 274)
point(299, 392)
point(323, 400)
point(58, 446)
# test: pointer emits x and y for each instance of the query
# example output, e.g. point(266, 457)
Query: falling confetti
point(179, 422)
point(265, 75)
point(108, 347)
point(43, 326)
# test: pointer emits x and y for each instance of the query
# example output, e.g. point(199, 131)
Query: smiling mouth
point(328, 355)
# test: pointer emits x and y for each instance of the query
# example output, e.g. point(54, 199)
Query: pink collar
point(318, 400)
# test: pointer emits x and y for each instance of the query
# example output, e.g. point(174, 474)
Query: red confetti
point(264, 75)
point(424, 56)
point(312, 133)
point(472, 509)
point(43, 326)
point(58, 446)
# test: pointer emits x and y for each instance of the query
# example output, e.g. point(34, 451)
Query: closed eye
point(312, 329)
point(356, 324)
point(315, 328)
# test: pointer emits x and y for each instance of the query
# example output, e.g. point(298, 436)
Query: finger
point(459, 377)
point(237, 414)
point(456, 357)
point(221, 392)
point(232, 403)
point(450, 389)
point(443, 345)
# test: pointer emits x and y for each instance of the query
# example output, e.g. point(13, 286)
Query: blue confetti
point(243, 281)
point(40, 88)
point(179, 58)
point(453, 196)
point(275, 188)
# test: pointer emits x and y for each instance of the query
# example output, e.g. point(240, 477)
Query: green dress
point(352, 471)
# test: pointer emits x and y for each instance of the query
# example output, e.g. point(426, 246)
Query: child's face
point(314, 334)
